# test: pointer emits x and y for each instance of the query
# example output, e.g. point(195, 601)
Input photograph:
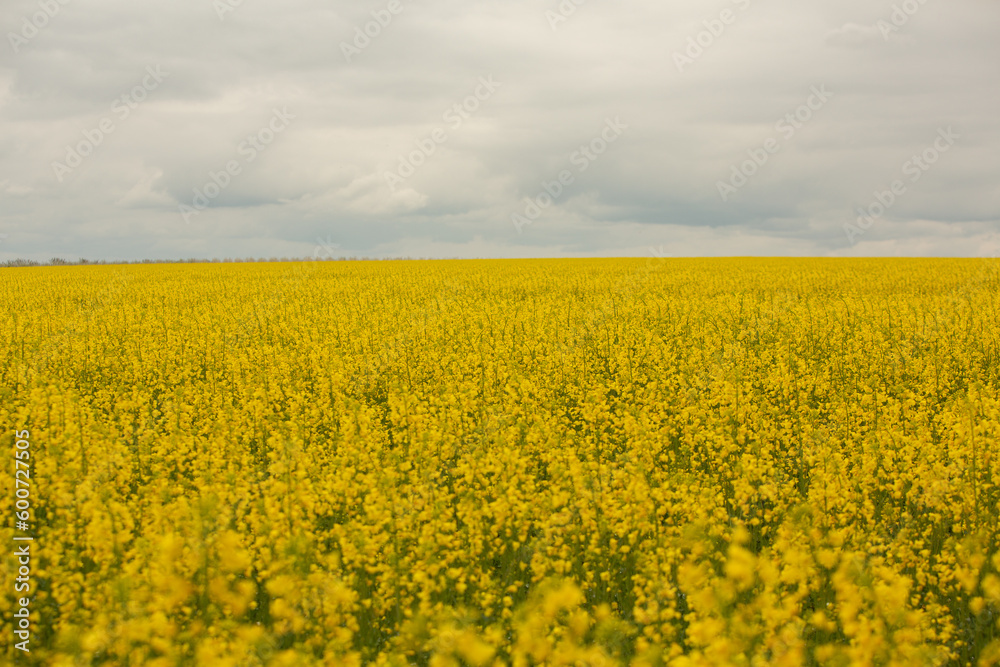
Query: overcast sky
point(513, 128)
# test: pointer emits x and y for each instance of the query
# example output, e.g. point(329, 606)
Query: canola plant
point(539, 462)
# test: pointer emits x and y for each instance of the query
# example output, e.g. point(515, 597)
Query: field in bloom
point(587, 462)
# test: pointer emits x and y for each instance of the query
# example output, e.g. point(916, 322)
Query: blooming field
point(589, 462)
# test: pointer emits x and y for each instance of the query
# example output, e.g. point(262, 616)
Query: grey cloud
point(658, 185)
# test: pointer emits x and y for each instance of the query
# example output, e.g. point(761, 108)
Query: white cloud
point(852, 35)
point(14, 189)
point(144, 194)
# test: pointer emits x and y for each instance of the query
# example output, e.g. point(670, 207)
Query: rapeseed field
point(589, 462)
